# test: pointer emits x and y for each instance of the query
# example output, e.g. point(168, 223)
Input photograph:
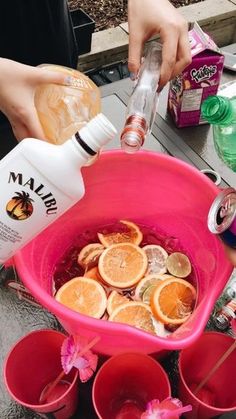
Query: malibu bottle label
point(28, 204)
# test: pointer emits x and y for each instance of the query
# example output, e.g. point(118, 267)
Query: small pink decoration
point(75, 352)
point(167, 409)
point(71, 357)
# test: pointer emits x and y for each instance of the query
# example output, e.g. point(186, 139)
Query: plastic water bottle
point(221, 113)
point(39, 181)
point(143, 101)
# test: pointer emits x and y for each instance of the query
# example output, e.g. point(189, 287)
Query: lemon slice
point(157, 257)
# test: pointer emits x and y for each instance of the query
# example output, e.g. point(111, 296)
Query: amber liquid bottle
point(65, 109)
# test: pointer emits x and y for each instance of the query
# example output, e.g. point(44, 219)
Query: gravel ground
point(110, 13)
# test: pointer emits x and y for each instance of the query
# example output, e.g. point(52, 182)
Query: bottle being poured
point(143, 101)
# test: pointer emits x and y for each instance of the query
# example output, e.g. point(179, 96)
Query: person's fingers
point(169, 52)
point(27, 125)
point(135, 54)
point(33, 125)
point(47, 76)
point(19, 130)
point(183, 55)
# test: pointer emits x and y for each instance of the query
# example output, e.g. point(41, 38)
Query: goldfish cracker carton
point(198, 81)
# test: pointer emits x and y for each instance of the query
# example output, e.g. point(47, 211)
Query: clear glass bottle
point(143, 101)
point(221, 113)
point(40, 181)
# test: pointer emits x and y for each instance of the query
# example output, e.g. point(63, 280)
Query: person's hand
point(149, 17)
point(17, 87)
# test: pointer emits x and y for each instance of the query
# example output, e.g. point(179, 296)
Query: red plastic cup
point(34, 362)
point(125, 384)
point(218, 395)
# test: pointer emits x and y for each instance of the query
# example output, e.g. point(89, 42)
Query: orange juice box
point(199, 80)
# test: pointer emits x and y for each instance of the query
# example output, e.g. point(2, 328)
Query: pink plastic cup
point(126, 383)
point(33, 363)
point(218, 395)
point(151, 189)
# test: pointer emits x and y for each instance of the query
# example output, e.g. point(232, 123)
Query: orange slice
point(94, 274)
point(156, 259)
point(178, 264)
point(122, 265)
point(173, 301)
point(132, 234)
point(89, 255)
point(84, 295)
point(148, 281)
point(114, 300)
point(135, 314)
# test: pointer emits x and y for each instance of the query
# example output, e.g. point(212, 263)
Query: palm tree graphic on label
point(20, 206)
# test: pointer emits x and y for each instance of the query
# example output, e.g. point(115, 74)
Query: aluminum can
point(222, 217)
point(226, 314)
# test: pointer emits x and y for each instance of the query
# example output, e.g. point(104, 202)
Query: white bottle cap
point(98, 132)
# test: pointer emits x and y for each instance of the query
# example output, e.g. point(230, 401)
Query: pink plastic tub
point(150, 189)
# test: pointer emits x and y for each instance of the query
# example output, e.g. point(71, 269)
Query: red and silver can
point(222, 217)
point(225, 315)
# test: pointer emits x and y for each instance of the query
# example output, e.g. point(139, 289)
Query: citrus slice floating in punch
point(84, 295)
point(173, 301)
point(157, 257)
point(131, 234)
point(122, 265)
point(178, 264)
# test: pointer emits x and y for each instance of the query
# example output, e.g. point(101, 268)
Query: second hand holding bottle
point(143, 101)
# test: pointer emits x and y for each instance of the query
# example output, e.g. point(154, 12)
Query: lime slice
point(146, 282)
point(178, 264)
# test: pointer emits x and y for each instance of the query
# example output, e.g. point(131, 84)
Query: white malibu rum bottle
point(39, 181)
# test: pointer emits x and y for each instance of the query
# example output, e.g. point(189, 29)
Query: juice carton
point(199, 80)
